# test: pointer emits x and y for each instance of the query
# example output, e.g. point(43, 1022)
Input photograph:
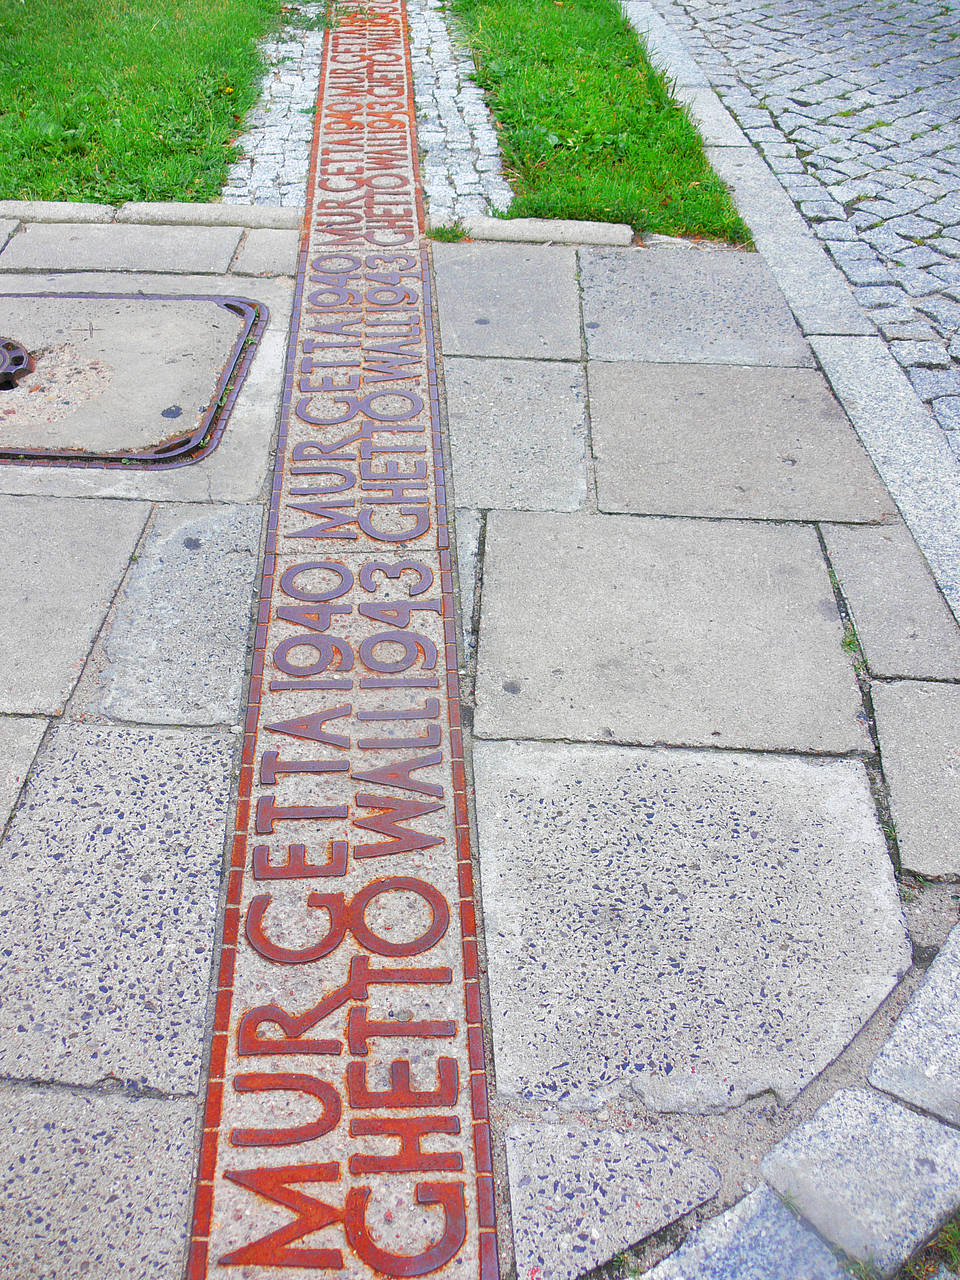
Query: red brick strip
point(346, 1125)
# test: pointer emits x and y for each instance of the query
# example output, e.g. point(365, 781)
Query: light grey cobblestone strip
point(855, 107)
point(460, 161)
point(279, 129)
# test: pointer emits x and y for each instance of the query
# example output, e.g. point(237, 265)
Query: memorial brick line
point(345, 1124)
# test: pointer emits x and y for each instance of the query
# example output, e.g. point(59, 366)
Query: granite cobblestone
point(462, 174)
point(855, 108)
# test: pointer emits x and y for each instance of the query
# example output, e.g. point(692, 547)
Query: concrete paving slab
point(56, 211)
point(174, 650)
point(7, 227)
point(580, 1196)
point(84, 247)
point(672, 305)
point(919, 728)
point(921, 1061)
point(94, 1185)
point(904, 625)
point(507, 300)
point(712, 440)
point(110, 881)
point(180, 213)
point(518, 433)
point(907, 447)
point(235, 471)
point(818, 295)
point(758, 1238)
point(686, 929)
point(99, 383)
point(873, 1178)
point(19, 738)
point(548, 231)
point(609, 628)
point(268, 252)
point(468, 524)
point(57, 579)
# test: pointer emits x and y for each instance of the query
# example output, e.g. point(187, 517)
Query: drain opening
point(14, 363)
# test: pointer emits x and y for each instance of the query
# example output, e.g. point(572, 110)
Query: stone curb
point(155, 214)
point(548, 231)
point(924, 480)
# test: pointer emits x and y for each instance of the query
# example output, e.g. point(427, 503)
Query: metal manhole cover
point(132, 380)
point(14, 363)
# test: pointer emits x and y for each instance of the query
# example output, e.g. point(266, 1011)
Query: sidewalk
point(710, 702)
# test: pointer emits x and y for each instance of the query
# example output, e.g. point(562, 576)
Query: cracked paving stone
point(579, 1196)
point(688, 929)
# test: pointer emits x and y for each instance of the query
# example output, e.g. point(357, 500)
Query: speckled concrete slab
point(57, 579)
point(871, 1176)
point(711, 440)
point(662, 631)
point(174, 650)
point(508, 300)
point(689, 928)
point(19, 738)
point(93, 1187)
point(517, 433)
point(110, 874)
point(921, 1061)
point(579, 1197)
point(114, 373)
point(758, 1239)
point(903, 623)
point(706, 306)
point(919, 727)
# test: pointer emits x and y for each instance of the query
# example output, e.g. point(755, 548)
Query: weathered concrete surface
point(686, 928)
point(114, 374)
point(56, 211)
point(174, 650)
point(548, 231)
point(57, 579)
point(45, 246)
point(236, 469)
point(172, 212)
point(94, 1185)
point(19, 739)
point(712, 440)
point(468, 525)
point(110, 878)
point(919, 727)
point(904, 626)
point(921, 1061)
point(517, 434)
point(580, 1196)
point(705, 306)
point(505, 300)
point(268, 252)
point(871, 1176)
point(7, 227)
point(907, 447)
point(758, 1238)
point(662, 631)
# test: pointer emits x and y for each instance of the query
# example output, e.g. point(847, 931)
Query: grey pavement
point(710, 686)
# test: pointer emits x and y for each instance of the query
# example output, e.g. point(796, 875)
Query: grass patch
point(943, 1250)
point(588, 128)
point(113, 100)
point(449, 235)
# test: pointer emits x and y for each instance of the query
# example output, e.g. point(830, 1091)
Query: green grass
point(588, 128)
point(943, 1250)
point(113, 100)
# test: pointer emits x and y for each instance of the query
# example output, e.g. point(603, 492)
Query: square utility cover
point(123, 380)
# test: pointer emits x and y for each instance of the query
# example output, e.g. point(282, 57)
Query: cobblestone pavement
point(460, 166)
point(856, 108)
point(279, 129)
